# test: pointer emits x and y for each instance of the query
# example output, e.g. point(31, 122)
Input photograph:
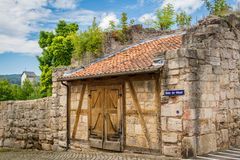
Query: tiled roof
point(137, 58)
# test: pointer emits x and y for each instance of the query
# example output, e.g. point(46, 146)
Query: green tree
point(122, 34)
point(217, 7)
point(132, 22)
point(64, 29)
point(46, 81)
point(57, 51)
point(165, 17)
point(124, 24)
point(112, 26)
point(27, 89)
point(17, 92)
point(5, 91)
point(10, 91)
point(88, 43)
point(183, 20)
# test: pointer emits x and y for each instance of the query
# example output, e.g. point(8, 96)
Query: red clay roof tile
point(137, 58)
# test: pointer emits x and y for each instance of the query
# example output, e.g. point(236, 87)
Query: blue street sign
point(174, 93)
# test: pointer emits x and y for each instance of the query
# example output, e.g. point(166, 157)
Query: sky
point(22, 20)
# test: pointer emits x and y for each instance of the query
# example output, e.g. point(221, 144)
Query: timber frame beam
point(78, 111)
point(158, 107)
point(139, 110)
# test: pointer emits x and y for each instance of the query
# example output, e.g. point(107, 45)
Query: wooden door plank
point(96, 114)
point(139, 110)
point(78, 111)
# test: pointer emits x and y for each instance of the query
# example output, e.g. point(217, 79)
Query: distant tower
point(31, 76)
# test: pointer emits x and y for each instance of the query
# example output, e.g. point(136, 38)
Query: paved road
point(71, 155)
point(231, 154)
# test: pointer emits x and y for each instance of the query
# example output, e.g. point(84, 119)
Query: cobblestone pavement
point(72, 155)
point(230, 154)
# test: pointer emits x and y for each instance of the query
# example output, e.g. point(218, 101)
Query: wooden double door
point(105, 122)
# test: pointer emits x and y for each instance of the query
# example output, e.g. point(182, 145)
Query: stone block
point(206, 113)
point(164, 123)
point(189, 127)
point(190, 114)
point(177, 63)
point(170, 137)
point(1, 142)
point(232, 64)
point(207, 143)
point(206, 126)
point(238, 141)
point(171, 54)
point(1, 132)
point(19, 144)
point(62, 144)
point(225, 136)
point(236, 55)
point(189, 147)
point(46, 147)
point(217, 70)
point(63, 100)
point(233, 77)
point(8, 142)
point(207, 69)
point(172, 150)
point(201, 53)
point(131, 141)
point(173, 110)
point(173, 72)
point(174, 124)
point(221, 117)
point(215, 61)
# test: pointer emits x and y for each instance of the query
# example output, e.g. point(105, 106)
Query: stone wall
point(27, 124)
point(206, 118)
point(211, 106)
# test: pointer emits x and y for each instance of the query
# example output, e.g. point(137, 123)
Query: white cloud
point(18, 45)
point(64, 4)
point(146, 18)
point(189, 6)
point(18, 19)
point(107, 17)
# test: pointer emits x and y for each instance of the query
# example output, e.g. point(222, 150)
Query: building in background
point(31, 76)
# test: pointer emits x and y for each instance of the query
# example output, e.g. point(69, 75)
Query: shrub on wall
point(89, 42)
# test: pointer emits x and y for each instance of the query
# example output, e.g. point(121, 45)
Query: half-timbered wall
point(135, 136)
point(140, 129)
point(81, 131)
